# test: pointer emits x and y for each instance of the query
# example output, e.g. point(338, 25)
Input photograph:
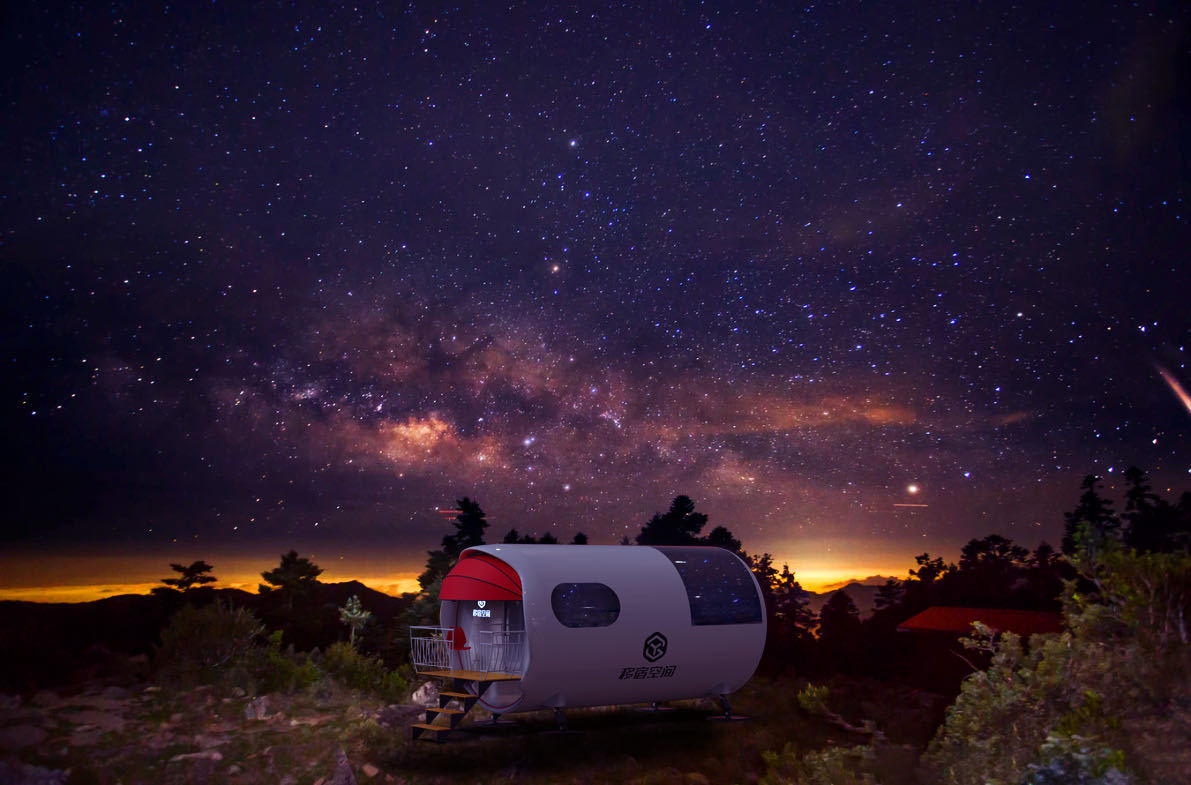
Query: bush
point(829, 766)
point(1106, 700)
point(198, 643)
point(369, 674)
point(271, 669)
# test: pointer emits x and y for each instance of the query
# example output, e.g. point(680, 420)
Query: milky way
point(278, 270)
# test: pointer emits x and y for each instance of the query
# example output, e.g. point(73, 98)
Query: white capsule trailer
point(530, 627)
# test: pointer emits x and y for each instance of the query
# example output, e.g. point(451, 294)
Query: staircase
point(434, 730)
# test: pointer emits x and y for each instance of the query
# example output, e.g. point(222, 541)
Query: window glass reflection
point(719, 588)
point(584, 604)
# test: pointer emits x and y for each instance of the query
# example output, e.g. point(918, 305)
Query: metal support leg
point(727, 707)
point(561, 719)
point(495, 719)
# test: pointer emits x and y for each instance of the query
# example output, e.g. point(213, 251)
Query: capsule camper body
point(566, 626)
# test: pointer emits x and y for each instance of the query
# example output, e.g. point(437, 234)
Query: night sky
point(292, 275)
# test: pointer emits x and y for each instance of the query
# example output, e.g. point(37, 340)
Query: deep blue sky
point(280, 273)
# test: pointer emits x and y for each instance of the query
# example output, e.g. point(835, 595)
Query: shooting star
point(1175, 387)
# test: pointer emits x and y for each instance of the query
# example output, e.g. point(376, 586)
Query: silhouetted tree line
point(992, 571)
point(995, 572)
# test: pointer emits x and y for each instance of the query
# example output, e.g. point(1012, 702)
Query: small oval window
point(584, 604)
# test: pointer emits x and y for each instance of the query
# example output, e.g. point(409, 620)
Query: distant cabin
point(940, 618)
point(940, 662)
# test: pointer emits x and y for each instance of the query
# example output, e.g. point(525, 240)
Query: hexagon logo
point(655, 647)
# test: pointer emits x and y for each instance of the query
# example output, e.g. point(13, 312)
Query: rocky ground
point(102, 735)
point(113, 734)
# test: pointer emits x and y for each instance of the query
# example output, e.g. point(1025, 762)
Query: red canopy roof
point(1000, 619)
point(479, 576)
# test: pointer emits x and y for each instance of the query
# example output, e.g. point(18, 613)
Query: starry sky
point(862, 279)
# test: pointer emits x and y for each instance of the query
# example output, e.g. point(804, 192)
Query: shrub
point(361, 672)
point(1096, 704)
point(272, 669)
point(198, 643)
point(828, 766)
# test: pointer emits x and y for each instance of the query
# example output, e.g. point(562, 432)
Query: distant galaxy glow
point(861, 283)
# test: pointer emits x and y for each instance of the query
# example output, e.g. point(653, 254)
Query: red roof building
point(959, 620)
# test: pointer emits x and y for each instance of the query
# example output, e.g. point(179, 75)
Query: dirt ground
point(330, 736)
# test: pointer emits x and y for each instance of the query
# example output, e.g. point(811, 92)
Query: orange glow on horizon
point(819, 565)
point(393, 585)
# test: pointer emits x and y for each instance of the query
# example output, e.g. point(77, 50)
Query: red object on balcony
point(480, 576)
point(459, 640)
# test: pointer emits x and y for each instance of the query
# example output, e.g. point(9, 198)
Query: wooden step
point(460, 695)
point(448, 711)
point(435, 728)
point(435, 733)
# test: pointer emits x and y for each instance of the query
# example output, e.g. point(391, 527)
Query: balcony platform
point(471, 675)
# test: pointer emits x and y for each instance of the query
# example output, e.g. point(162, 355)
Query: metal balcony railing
point(492, 651)
point(430, 648)
point(502, 651)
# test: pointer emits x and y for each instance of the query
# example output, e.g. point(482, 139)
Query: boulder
point(257, 708)
point(426, 695)
point(343, 771)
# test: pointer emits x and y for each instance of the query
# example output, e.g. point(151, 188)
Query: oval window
point(584, 604)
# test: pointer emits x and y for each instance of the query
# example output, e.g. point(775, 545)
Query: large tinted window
point(718, 586)
point(585, 604)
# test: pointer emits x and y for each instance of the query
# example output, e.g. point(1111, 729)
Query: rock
point(20, 736)
point(86, 737)
point(343, 771)
point(209, 742)
point(102, 720)
point(288, 779)
point(234, 769)
point(238, 693)
point(257, 709)
point(204, 755)
point(152, 688)
point(397, 716)
point(426, 695)
point(159, 740)
point(369, 770)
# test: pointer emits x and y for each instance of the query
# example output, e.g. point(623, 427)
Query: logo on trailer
point(655, 647)
point(481, 612)
point(480, 603)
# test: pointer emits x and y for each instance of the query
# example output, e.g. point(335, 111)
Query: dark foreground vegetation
point(308, 682)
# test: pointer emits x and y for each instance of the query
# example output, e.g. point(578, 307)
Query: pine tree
point(1094, 510)
point(679, 526)
point(354, 616)
point(294, 577)
point(470, 523)
point(190, 576)
point(469, 529)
